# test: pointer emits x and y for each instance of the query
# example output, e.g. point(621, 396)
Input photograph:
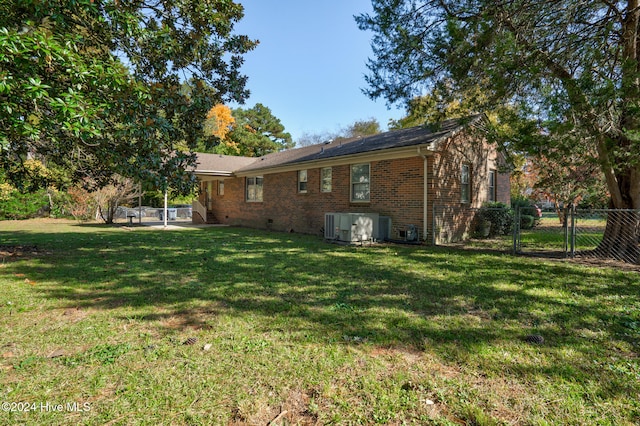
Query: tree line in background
point(251, 132)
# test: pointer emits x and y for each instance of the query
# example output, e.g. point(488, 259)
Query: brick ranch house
point(423, 181)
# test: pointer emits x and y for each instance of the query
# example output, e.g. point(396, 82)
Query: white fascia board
point(213, 173)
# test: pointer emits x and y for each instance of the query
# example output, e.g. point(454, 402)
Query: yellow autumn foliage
point(219, 121)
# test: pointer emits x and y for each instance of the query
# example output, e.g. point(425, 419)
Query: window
point(360, 182)
point(325, 179)
point(254, 188)
point(220, 187)
point(302, 181)
point(209, 195)
point(465, 187)
point(491, 196)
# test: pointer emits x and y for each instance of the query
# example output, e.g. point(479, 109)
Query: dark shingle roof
point(420, 135)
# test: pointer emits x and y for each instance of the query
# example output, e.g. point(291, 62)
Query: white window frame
point(363, 184)
point(492, 194)
point(303, 177)
point(209, 195)
point(220, 187)
point(465, 183)
point(253, 189)
point(326, 179)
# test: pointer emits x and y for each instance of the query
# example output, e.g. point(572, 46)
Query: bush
point(500, 216)
point(16, 205)
point(527, 208)
point(60, 202)
point(527, 221)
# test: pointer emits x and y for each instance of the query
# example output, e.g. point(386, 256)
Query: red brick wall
point(454, 219)
point(396, 191)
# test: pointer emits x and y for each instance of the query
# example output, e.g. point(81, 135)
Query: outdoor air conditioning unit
point(384, 228)
point(351, 227)
point(330, 225)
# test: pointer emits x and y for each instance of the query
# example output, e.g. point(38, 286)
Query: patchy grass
point(306, 332)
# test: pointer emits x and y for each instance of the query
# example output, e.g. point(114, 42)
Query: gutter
point(425, 196)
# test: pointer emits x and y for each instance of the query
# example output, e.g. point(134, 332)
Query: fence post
point(569, 226)
point(516, 230)
point(573, 230)
point(565, 229)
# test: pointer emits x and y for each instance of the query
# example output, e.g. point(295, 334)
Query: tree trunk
point(621, 238)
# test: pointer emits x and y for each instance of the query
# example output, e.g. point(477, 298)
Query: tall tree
point(362, 128)
point(219, 121)
point(574, 66)
point(309, 138)
point(358, 128)
point(438, 106)
point(257, 132)
point(106, 86)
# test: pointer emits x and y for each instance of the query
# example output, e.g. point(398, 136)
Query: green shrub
point(500, 216)
point(16, 205)
point(527, 208)
point(527, 221)
point(60, 202)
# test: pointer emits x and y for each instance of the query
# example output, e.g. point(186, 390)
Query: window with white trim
point(220, 187)
point(302, 181)
point(491, 196)
point(254, 189)
point(465, 184)
point(209, 195)
point(326, 179)
point(360, 183)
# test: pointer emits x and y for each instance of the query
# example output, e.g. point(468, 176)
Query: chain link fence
point(570, 232)
point(153, 214)
point(609, 234)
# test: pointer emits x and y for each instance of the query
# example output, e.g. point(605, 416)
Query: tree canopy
point(362, 128)
point(358, 128)
point(569, 69)
point(101, 87)
point(251, 132)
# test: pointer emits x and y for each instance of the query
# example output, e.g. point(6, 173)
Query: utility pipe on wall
point(425, 196)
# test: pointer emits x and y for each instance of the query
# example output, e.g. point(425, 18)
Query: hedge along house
point(420, 183)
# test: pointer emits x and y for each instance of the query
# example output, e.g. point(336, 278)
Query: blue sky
point(310, 64)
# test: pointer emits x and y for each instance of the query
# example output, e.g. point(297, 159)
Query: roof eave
point(385, 154)
point(224, 173)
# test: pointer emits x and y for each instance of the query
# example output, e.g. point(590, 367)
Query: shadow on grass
point(390, 296)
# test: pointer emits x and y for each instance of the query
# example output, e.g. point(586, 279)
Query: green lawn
point(306, 332)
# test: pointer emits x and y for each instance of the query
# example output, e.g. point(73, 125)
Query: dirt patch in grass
point(73, 315)
point(20, 250)
point(296, 410)
point(193, 319)
point(594, 262)
point(605, 263)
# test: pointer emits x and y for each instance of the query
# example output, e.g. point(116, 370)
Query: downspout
point(424, 197)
